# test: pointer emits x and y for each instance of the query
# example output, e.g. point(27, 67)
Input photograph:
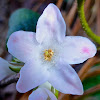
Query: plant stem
point(11, 79)
point(84, 23)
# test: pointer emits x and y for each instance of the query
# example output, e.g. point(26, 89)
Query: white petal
point(47, 88)
point(31, 76)
point(42, 94)
point(51, 25)
point(77, 49)
point(22, 45)
point(38, 94)
point(50, 94)
point(4, 69)
point(65, 79)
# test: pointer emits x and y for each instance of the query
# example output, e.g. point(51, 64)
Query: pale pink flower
point(48, 54)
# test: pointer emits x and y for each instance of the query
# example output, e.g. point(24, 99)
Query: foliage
point(89, 83)
point(23, 19)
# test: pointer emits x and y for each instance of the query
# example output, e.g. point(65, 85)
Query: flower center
point(48, 54)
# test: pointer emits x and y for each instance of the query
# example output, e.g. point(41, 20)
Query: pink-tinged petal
point(64, 78)
point(31, 75)
point(22, 45)
point(38, 94)
point(4, 69)
point(42, 94)
point(51, 25)
point(77, 49)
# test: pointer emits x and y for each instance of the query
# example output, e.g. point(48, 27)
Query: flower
point(48, 54)
point(4, 69)
point(43, 93)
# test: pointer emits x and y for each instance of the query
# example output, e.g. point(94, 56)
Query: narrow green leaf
point(15, 68)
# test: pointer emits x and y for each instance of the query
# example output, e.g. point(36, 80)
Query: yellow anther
point(48, 54)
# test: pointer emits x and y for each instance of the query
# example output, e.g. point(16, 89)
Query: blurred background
point(89, 71)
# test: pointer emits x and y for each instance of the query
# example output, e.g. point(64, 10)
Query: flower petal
point(50, 25)
point(38, 94)
point(50, 94)
point(65, 79)
point(77, 49)
point(4, 69)
point(31, 75)
point(22, 45)
point(47, 88)
point(42, 94)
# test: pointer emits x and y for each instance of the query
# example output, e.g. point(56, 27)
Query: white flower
point(4, 69)
point(43, 93)
point(48, 53)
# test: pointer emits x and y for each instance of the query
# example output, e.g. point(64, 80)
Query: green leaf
point(23, 19)
point(16, 60)
point(89, 83)
point(66, 0)
point(15, 68)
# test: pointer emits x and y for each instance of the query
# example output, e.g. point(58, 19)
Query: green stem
point(84, 23)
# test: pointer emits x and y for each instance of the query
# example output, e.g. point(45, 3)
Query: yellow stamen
point(48, 54)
